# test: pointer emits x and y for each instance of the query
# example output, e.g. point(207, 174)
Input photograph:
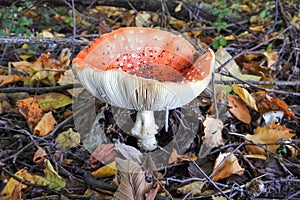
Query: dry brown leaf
point(69, 78)
point(266, 103)
point(39, 155)
point(196, 186)
point(45, 125)
point(212, 135)
point(106, 153)
point(272, 57)
point(264, 135)
point(132, 182)
point(31, 110)
point(4, 80)
point(226, 165)
point(245, 96)
point(175, 158)
point(238, 108)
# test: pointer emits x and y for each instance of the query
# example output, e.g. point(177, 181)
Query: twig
point(33, 40)
point(39, 90)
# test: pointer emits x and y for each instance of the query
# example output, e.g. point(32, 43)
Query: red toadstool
point(144, 69)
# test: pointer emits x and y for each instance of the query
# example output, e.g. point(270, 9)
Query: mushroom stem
point(145, 129)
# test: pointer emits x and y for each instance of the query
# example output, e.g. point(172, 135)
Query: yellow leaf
point(259, 28)
point(14, 186)
point(267, 136)
point(178, 7)
point(245, 96)
point(68, 139)
point(69, 78)
point(272, 57)
point(226, 164)
point(45, 125)
point(106, 171)
point(195, 186)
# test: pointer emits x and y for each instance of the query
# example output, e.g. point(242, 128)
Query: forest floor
point(239, 139)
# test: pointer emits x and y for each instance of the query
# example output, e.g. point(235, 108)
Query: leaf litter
point(256, 132)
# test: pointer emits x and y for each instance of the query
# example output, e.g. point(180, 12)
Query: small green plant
point(12, 22)
point(265, 12)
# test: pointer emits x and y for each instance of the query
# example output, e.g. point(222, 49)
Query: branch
point(62, 41)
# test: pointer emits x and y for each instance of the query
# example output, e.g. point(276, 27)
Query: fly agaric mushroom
point(144, 69)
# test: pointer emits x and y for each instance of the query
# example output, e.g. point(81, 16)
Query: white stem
point(145, 129)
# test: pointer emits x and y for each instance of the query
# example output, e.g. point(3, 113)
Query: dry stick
point(33, 40)
point(39, 90)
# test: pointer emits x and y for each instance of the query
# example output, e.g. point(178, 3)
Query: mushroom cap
point(144, 69)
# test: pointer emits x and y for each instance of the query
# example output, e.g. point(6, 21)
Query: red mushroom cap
point(144, 68)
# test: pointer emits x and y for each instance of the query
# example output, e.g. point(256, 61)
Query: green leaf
point(68, 139)
point(51, 179)
point(53, 100)
point(222, 41)
point(215, 44)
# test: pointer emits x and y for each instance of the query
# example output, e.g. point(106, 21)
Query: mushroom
point(146, 70)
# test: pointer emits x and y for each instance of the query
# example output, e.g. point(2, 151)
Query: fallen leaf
point(68, 78)
point(51, 179)
point(267, 137)
point(212, 135)
point(222, 56)
point(39, 155)
point(13, 187)
point(31, 110)
point(266, 103)
point(272, 57)
point(196, 186)
point(226, 164)
point(53, 100)
point(106, 171)
point(68, 139)
point(175, 158)
point(4, 80)
point(106, 153)
point(245, 96)
point(238, 109)
point(45, 125)
point(132, 181)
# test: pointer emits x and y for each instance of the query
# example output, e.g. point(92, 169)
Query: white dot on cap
point(131, 32)
point(123, 38)
point(206, 58)
point(142, 31)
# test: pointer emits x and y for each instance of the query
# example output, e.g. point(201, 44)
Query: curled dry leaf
point(175, 158)
point(266, 103)
point(4, 80)
point(245, 96)
point(267, 136)
point(39, 155)
point(45, 125)
point(132, 181)
point(226, 165)
point(272, 57)
point(238, 108)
